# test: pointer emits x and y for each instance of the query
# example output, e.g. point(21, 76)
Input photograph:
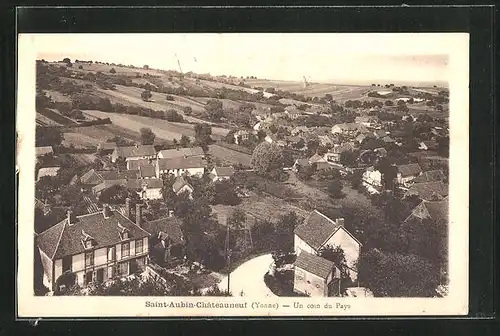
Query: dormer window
point(87, 240)
point(124, 232)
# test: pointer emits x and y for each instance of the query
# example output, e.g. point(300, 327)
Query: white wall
point(78, 262)
point(300, 245)
point(132, 247)
point(309, 283)
point(101, 256)
point(153, 193)
point(348, 244)
point(145, 246)
point(57, 269)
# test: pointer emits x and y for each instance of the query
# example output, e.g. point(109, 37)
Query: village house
point(430, 176)
point(134, 153)
point(372, 180)
point(293, 113)
point(333, 154)
point(428, 191)
point(316, 232)
point(313, 275)
point(166, 243)
point(348, 129)
point(368, 121)
point(181, 185)
point(47, 171)
point(95, 247)
point(180, 152)
point(137, 164)
point(299, 130)
point(221, 173)
point(241, 136)
point(147, 171)
point(436, 211)
point(180, 165)
point(326, 140)
point(428, 145)
point(94, 177)
point(147, 189)
point(106, 147)
point(407, 173)
point(44, 150)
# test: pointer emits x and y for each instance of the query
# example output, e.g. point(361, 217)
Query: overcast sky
point(319, 57)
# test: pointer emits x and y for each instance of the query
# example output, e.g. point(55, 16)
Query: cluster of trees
point(267, 160)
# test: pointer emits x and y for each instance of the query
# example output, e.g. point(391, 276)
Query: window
point(138, 246)
point(88, 244)
point(89, 259)
point(111, 253)
point(123, 269)
point(125, 235)
point(317, 286)
point(125, 250)
point(88, 277)
point(66, 264)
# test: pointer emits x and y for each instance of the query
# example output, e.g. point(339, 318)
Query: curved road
point(249, 278)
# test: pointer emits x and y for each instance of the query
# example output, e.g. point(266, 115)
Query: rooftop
point(428, 190)
point(64, 240)
point(224, 171)
point(43, 150)
point(314, 264)
point(135, 151)
point(409, 169)
point(173, 153)
point(167, 225)
point(181, 163)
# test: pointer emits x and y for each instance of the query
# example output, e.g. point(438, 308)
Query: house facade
point(221, 173)
point(95, 247)
point(313, 275)
point(372, 180)
point(180, 165)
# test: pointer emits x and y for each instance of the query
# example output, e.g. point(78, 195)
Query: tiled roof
point(108, 175)
point(314, 264)
point(135, 151)
point(47, 171)
point(435, 210)
point(91, 177)
point(136, 164)
point(169, 225)
point(323, 166)
point(64, 240)
point(172, 153)
point(430, 176)
point(302, 162)
point(43, 150)
point(350, 127)
point(106, 184)
point(179, 183)
point(347, 146)
point(422, 154)
point(147, 171)
point(427, 190)
point(149, 183)
point(181, 163)
point(316, 158)
point(107, 145)
point(224, 171)
point(316, 229)
point(409, 169)
point(380, 133)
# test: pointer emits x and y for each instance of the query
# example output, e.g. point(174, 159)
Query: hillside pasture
point(55, 116)
point(229, 156)
point(45, 121)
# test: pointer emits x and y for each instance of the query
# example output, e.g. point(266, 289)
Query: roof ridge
point(133, 223)
point(324, 216)
point(64, 221)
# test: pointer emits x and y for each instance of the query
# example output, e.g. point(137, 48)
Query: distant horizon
point(331, 57)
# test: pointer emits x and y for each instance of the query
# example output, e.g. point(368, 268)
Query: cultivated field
point(93, 135)
point(229, 156)
point(55, 116)
point(163, 129)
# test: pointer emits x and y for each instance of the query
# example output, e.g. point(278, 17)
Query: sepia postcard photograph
point(263, 174)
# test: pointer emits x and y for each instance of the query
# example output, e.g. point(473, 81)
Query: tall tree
point(147, 136)
point(146, 95)
point(267, 159)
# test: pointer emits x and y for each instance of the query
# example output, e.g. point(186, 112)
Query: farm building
point(180, 165)
point(134, 152)
point(180, 152)
point(348, 129)
point(407, 173)
point(94, 177)
point(181, 185)
point(221, 173)
point(316, 232)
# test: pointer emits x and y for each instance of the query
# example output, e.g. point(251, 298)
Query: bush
point(281, 284)
point(334, 188)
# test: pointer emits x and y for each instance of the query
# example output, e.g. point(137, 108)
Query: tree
point(115, 194)
point(146, 95)
point(284, 231)
point(66, 60)
point(334, 188)
point(397, 275)
point(389, 103)
point(225, 193)
point(69, 65)
point(185, 141)
point(388, 172)
point(213, 107)
point(348, 158)
point(267, 158)
point(188, 110)
point(147, 136)
point(146, 67)
point(203, 134)
point(80, 67)
point(48, 136)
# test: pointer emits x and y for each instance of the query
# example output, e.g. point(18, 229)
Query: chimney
point(170, 213)
point(71, 217)
point(138, 214)
point(127, 207)
point(106, 211)
point(340, 221)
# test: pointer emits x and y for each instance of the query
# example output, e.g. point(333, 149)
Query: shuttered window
point(138, 246)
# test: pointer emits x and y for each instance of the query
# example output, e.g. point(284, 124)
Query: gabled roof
point(314, 264)
point(48, 171)
point(224, 171)
point(64, 240)
point(181, 163)
point(427, 190)
point(173, 153)
point(43, 150)
point(179, 183)
point(147, 171)
point(107, 184)
point(109, 175)
point(317, 229)
point(345, 147)
point(409, 169)
point(135, 151)
point(107, 145)
point(434, 210)
point(430, 176)
point(136, 164)
point(167, 225)
point(91, 177)
point(316, 158)
point(152, 183)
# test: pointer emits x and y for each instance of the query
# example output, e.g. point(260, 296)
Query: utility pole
point(228, 259)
